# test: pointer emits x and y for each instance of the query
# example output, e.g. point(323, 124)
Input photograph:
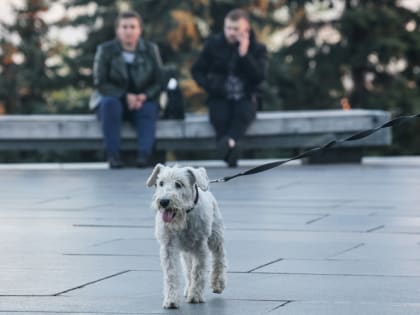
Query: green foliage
point(26, 81)
point(378, 51)
point(99, 24)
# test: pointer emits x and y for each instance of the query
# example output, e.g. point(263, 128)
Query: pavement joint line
point(277, 205)
point(331, 274)
point(27, 295)
point(318, 219)
point(379, 227)
point(107, 242)
point(96, 206)
point(92, 282)
point(288, 214)
point(347, 250)
point(52, 200)
point(287, 185)
point(259, 300)
point(108, 255)
point(344, 259)
point(406, 214)
point(265, 265)
point(400, 233)
point(307, 231)
point(281, 305)
point(126, 226)
point(74, 312)
point(297, 274)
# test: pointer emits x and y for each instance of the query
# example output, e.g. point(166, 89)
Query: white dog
point(188, 222)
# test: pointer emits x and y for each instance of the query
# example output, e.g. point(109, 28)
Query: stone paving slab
point(400, 268)
point(345, 308)
point(333, 239)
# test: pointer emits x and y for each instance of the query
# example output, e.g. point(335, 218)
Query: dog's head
point(175, 191)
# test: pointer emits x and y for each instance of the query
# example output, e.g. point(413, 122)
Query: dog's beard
point(174, 217)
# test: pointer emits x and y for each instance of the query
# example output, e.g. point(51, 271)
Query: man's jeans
point(112, 111)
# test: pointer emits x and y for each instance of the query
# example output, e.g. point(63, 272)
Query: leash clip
point(219, 180)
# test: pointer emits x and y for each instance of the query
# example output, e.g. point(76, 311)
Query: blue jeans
point(112, 111)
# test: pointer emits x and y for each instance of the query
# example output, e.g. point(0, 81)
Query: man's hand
point(135, 101)
point(243, 36)
point(243, 40)
point(141, 98)
point(131, 101)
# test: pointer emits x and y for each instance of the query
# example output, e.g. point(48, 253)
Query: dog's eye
point(160, 184)
point(178, 185)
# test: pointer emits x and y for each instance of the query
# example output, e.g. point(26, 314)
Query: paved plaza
point(332, 239)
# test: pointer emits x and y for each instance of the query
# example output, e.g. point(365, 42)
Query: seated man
point(126, 76)
point(230, 68)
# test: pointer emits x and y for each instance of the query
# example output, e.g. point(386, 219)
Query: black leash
point(357, 136)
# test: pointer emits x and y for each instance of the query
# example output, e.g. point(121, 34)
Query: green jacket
point(110, 75)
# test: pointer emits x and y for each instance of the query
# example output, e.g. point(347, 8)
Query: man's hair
point(237, 14)
point(128, 15)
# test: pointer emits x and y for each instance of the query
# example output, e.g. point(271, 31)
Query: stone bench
point(285, 130)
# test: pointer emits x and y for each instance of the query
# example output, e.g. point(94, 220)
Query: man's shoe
point(143, 160)
point(223, 148)
point(232, 157)
point(115, 162)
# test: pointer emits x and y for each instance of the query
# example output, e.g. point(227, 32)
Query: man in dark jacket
point(230, 69)
point(126, 75)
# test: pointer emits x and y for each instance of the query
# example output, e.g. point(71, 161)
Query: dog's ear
point(151, 181)
point(200, 177)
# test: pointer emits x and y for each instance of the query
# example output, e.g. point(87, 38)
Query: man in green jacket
point(126, 75)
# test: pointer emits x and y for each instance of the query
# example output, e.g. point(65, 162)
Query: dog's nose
point(164, 202)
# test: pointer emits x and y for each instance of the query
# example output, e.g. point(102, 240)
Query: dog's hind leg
point(218, 276)
point(198, 274)
point(187, 264)
point(169, 258)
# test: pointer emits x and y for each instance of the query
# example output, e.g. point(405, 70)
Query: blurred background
point(331, 54)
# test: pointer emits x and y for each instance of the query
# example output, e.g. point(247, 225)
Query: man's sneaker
point(223, 148)
point(233, 156)
point(143, 160)
point(115, 162)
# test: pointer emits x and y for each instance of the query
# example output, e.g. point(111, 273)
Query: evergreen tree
point(381, 47)
point(381, 52)
point(97, 18)
point(377, 51)
point(304, 74)
point(8, 80)
point(28, 79)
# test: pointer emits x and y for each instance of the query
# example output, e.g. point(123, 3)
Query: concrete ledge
point(292, 129)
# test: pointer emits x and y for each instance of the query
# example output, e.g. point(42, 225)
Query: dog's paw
point(186, 289)
point(195, 298)
point(168, 304)
point(218, 285)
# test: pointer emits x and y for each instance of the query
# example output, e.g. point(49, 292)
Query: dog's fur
point(183, 227)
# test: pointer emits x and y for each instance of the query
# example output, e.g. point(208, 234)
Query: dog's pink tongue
point(168, 215)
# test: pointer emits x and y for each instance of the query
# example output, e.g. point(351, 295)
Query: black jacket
point(219, 57)
point(110, 72)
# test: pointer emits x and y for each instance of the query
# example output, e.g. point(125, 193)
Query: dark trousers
point(231, 118)
point(112, 111)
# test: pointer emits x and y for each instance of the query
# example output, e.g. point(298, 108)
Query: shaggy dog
point(188, 224)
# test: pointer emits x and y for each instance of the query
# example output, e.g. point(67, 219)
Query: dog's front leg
point(169, 259)
point(216, 246)
point(187, 271)
point(198, 274)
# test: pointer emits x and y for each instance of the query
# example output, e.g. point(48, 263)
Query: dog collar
point(195, 200)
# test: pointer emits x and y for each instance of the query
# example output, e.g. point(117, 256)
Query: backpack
point(171, 99)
